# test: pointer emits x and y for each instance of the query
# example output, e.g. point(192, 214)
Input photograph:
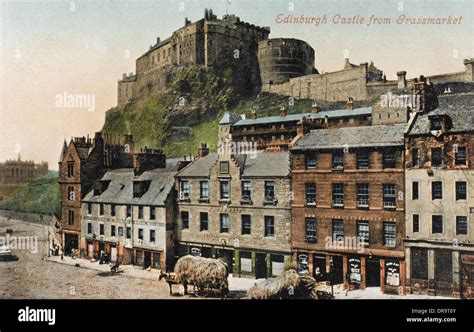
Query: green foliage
point(39, 196)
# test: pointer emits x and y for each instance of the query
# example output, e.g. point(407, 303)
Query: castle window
point(70, 169)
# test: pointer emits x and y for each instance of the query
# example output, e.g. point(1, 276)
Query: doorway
point(260, 265)
point(70, 242)
point(372, 273)
point(337, 273)
point(147, 259)
point(228, 257)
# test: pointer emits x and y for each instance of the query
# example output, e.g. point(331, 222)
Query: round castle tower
point(283, 58)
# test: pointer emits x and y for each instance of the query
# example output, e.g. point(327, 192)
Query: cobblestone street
point(33, 278)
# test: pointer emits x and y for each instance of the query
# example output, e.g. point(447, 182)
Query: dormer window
point(140, 188)
point(436, 124)
point(100, 186)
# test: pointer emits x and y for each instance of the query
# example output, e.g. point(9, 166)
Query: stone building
point(131, 217)
point(14, 173)
point(348, 206)
point(439, 182)
point(283, 58)
point(276, 133)
point(237, 207)
point(84, 161)
point(210, 42)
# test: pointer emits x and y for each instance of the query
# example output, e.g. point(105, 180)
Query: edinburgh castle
point(283, 66)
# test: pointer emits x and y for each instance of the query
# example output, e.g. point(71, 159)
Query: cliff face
point(188, 110)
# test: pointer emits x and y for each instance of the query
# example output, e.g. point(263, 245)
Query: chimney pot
point(350, 103)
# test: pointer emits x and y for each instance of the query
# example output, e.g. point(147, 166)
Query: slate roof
point(230, 118)
point(259, 165)
point(120, 189)
point(352, 137)
point(296, 117)
point(459, 108)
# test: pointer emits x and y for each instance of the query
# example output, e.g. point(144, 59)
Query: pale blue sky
point(47, 49)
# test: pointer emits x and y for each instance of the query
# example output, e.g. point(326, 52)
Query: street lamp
point(331, 277)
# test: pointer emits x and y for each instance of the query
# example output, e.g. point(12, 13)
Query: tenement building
point(276, 133)
point(439, 241)
point(348, 206)
point(130, 216)
point(237, 207)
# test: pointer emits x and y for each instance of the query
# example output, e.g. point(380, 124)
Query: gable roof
point(274, 164)
point(459, 108)
point(351, 137)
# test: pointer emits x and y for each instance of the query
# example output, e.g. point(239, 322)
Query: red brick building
point(348, 206)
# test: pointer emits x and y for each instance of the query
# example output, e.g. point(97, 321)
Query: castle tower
point(225, 125)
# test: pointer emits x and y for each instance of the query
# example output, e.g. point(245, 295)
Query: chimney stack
point(203, 150)
point(350, 103)
point(315, 108)
point(402, 79)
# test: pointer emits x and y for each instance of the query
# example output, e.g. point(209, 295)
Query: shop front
point(149, 258)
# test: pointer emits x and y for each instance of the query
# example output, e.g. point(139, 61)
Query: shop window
point(245, 261)
point(443, 265)
point(419, 263)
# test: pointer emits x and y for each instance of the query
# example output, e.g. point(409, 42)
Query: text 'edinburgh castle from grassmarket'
point(364, 194)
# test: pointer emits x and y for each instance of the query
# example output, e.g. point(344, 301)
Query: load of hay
point(289, 285)
point(203, 273)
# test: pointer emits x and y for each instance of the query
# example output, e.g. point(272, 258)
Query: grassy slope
point(39, 196)
point(207, 94)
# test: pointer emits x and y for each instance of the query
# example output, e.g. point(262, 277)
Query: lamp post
point(331, 277)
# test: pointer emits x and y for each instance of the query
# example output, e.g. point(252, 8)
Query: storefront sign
point(245, 264)
point(354, 270)
point(302, 263)
point(392, 272)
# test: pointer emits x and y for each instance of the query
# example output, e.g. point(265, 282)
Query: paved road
point(32, 278)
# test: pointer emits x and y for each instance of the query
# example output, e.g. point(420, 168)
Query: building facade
point(14, 173)
point(440, 202)
point(348, 206)
point(131, 217)
point(237, 207)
